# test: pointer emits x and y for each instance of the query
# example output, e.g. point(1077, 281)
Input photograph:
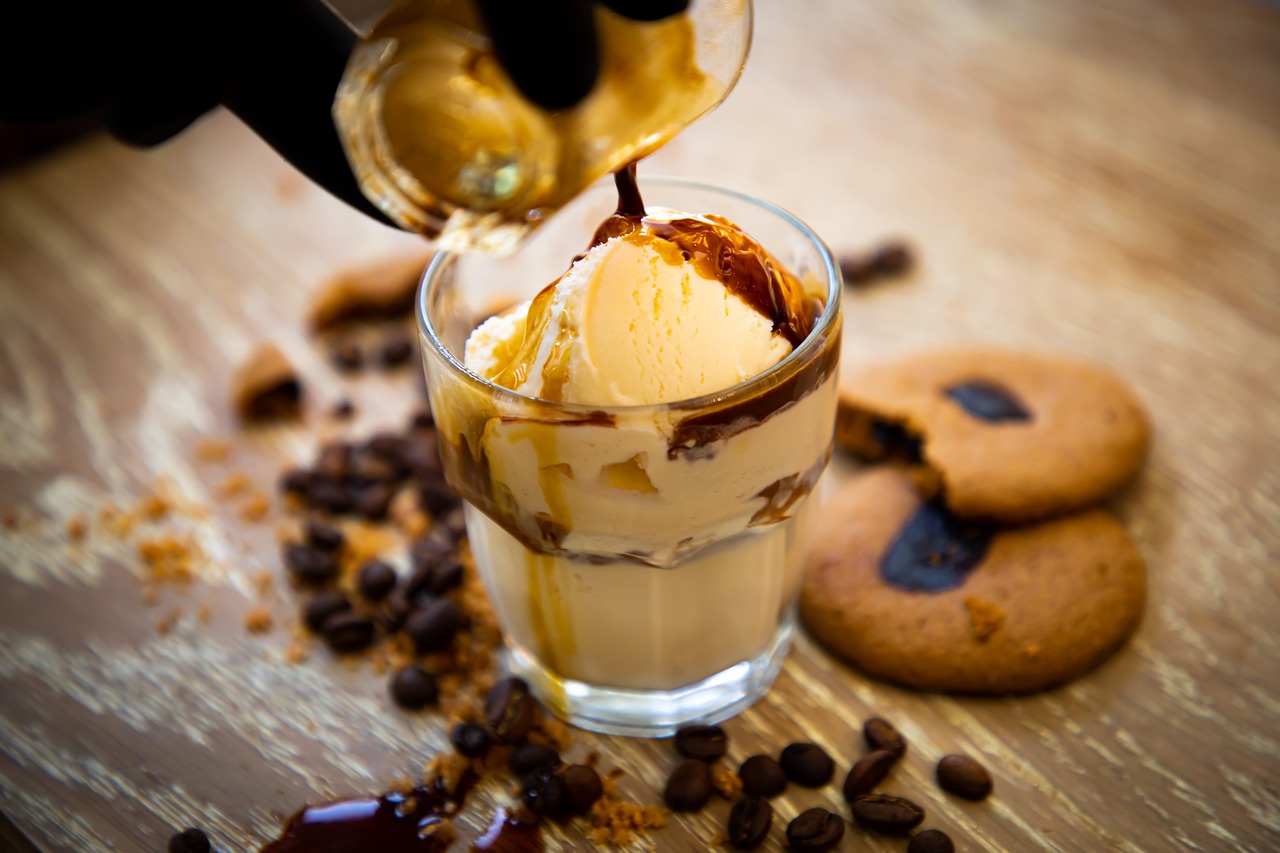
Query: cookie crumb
point(211, 450)
point(77, 528)
point(153, 507)
point(255, 508)
point(235, 483)
point(164, 626)
point(985, 618)
point(615, 821)
point(295, 653)
point(150, 596)
point(728, 784)
point(266, 386)
point(381, 289)
point(204, 614)
point(258, 620)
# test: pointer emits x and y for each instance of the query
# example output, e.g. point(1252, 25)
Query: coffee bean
point(297, 482)
point(510, 711)
point(325, 604)
point(330, 495)
point(413, 687)
point(334, 460)
point(455, 522)
point(705, 743)
point(582, 786)
point(396, 351)
point(689, 787)
point(815, 831)
point(343, 409)
point(544, 792)
point(931, 841)
point(190, 841)
point(347, 356)
point(437, 497)
point(470, 739)
point(868, 772)
point(348, 633)
point(762, 776)
point(533, 756)
point(308, 564)
point(433, 625)
point(372, 501)
point(370, 467)
point(435, 578)
point(326, 537)
point(376, 580)
point(885, 814)
point(988, 402)
point(880, 734)
point(934, 551)
point(420, 455)
point(964, 777)
point(807, 764)
point(892, 257)
point(395, 610)
point(426, 551)
point(749, 822)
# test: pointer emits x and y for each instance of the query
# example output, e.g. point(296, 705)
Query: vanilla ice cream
point(630, 535)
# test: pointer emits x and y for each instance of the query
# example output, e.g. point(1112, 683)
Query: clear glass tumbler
point(644, 561)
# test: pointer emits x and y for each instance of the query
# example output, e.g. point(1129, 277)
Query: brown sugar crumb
point(236, 483)
point(447, 770)
point(615, 821)
point(255, 508)
point(211, 450)
point(985, 618)
point(266, 386)
point(258, 620)
point(169, 558)
point(150, 595)
point(204, 614)
point(719, 839)
point(727, 783)
point(381, 289)
point(295, 653)
point(77, 527)
point(401, 785)
point(11, 518)
point(264, 582)
point(153, 507)
point(550, 730)
point(164, 626)
point(440, 829)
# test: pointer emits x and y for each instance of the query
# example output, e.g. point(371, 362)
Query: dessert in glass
point(637, 442)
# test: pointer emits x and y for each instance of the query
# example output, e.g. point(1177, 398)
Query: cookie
point(266, 386)
point(380, 289)
point(911, 594)
point(998, 434)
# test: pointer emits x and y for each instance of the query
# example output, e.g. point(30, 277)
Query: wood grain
point(1094, 178)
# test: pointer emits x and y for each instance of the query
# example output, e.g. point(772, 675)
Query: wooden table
point(1100, 179)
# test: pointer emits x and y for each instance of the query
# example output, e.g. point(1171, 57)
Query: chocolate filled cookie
point(908, 592)
point(998, 434)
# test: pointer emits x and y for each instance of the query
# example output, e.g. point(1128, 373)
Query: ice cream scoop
point(664, 307)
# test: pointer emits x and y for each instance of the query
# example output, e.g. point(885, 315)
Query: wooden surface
point(1095, 178)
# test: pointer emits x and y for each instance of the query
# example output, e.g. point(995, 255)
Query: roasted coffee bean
point(395, 610)
point(582, 787)
point(931, 841)
point(435, 578)
point(880, 734)
point(455, 522)
point(426, 551)
point(885, 814)
point(334, 460)
point(892, 257)
point(421, 455)
point(348, 633)
point(371, 467)
point(413, 687)
point(297, 482)
point(437, 497)
point(815, 831)
point(705, 743)
point(749, 822)
point(308, 564)
point(964, 777)
point(325, 604)
point(343, 409)
point(988, 402)
point(868, 772)
point(433, 624)
point(533, 756)
point(376, 580)
point(934, 551)
point(544, 792)
point(190, 841)
point(470, 739)
point(330, 495)
point(807, 764)
point(762, 776)
point(510, 711)
point(689, 787)
point(347, 356)
point(396, 351)
point(326, 537)
point(372, 501)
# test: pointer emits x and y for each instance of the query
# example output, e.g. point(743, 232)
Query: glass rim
point(793, 361)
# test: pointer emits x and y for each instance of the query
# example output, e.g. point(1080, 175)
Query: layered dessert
point(637, 457)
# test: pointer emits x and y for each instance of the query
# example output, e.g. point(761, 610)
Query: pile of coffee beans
point(890, 258)
point(394, 351)
point(690, 786)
